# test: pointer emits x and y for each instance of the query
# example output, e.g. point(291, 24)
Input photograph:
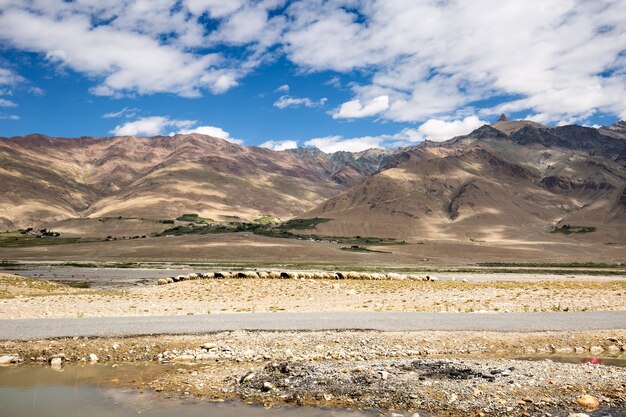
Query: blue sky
point(336, 74)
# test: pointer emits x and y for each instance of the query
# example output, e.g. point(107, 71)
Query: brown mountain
point(47, 179)
point(513, 181)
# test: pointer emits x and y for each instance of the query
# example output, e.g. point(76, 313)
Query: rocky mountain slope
point(508, 181)
point(47, 179)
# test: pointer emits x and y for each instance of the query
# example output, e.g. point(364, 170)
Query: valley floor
point(434, 373)
point(22, 297)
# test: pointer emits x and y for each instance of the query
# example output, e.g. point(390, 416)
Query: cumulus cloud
point(557, 59)
point(7, 103)
point(283, 88)
point(279, 145)
point(433, 130)
point(331, 144)
point(288, 101)
point(354, 109)
point(150, 126)
point(440, 130)
point(9, 77)
point(216, 132)
point(162, 125)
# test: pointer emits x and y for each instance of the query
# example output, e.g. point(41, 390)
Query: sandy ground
point(448, 373)
point(249, 248)
point(27, 298)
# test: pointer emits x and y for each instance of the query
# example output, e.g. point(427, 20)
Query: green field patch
point(17, 239)
point(568, 229)
point(194, 218)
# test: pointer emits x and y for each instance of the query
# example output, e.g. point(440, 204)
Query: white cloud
point(162, 125)
point(354, 109)
point(279, 145)
point(331, 144)
point(215, 8)
point(288, 101)
point(150, 126)
point(213, 131)
point(7, 103)
point(125, 112)
point(440, 130)
point(9, 117)
point(433, 130)
point(560, 58)
point(10, 78)
point(283, 88)
point(135, 53)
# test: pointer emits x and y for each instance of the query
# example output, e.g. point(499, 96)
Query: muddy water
point(98, 391)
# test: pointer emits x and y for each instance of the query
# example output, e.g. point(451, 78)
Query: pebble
point(93, 358)
point(578, 415)
point(587, 401)
point(210, 346)
point(56, 362)
point(267, 386)
point(7, 359)
point(595, 350)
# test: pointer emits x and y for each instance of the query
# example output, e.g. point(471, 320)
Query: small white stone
point(595, 350)
point(93, 358)
point(56, 362)
point(7, 359)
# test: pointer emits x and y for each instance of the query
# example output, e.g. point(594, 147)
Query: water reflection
point(98, 391)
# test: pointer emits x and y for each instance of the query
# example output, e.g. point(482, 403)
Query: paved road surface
point(30, 329)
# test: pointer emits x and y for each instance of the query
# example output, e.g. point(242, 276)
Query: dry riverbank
point(28, 298)
point(405, 371)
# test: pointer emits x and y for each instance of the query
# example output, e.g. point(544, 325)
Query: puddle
point(79, 391)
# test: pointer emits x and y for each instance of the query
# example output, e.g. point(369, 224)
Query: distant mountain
point(511, 181)
point(46, 179)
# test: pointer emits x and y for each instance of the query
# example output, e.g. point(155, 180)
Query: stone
point(209, 346)
point(115, 346)
point(588, 401)
point(162, 281)
point(416, 415)
point(93, 358)
point(578, 415)
point(184, 358)
point(7, 359)
point(596, 350)
point(384, 374)
point(614, 350)
point(56, 362)
point(267, 386)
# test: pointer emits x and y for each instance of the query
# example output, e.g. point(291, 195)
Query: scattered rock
point(93, 358)
point(614, 350)
point(267, 387)
point(588, 401)
point(578, 415)
point(210, 346)
point(596, 350)
point(56, 362)
point(7, 359)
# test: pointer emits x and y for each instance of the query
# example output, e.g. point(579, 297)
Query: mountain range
point(512, 180)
